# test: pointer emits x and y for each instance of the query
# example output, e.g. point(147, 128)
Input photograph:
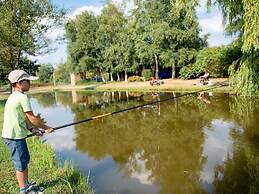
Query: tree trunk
point(156, 59)
point(173, 71)
point(102, 76)
point(118, 77)
point(126, 76)
point(111, 78)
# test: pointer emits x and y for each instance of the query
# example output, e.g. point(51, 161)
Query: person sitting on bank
point(204, 77)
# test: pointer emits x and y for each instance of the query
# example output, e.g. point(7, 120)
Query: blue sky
point(209, 23)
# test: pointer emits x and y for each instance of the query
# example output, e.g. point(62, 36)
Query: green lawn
point(42, 169)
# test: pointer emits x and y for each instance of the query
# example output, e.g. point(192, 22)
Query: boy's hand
point(37, 131)
point(49, 130)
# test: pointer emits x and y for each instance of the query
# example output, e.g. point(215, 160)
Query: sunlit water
point(203, 143)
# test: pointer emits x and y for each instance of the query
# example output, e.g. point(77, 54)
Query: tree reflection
point(45, 99)
point(170, 144)
point(240, 172)
point(167, 148)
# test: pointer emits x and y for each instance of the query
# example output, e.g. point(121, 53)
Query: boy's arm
point(38, 122)
point(29, 125)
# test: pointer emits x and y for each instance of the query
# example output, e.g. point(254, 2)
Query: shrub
point(134, 78)
point(191, 71)
point(147, 74)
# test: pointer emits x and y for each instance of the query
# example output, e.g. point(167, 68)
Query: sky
point(209, 22)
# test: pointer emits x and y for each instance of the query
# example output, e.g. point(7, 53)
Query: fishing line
point(131, 108)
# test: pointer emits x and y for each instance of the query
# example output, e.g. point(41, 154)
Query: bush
point(191, 71)
point(134, 78)
point(147, 74)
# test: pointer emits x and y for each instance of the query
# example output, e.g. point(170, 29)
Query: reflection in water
point(202, 97)
point(179, 146)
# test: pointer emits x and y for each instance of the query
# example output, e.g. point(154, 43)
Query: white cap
point(19, 75)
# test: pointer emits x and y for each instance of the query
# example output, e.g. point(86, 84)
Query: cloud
point(128, 6)
point(60, 54)
point(55, 32)
point(96, 10)
point(212, 24)
point(219, 39)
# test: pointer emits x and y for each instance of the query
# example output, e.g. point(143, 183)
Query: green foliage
point(23, 32)
point(147, 74)
point(251, 26)
point(62, 74)
point(216, 60)
point(134, 78)
point(158, 34)
point(81, 35)
point(191, 71)
point(45, 73)
point(166, 33)
point(242, 18)
point(244, 75)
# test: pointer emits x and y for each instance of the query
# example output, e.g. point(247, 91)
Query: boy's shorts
point(19, 153)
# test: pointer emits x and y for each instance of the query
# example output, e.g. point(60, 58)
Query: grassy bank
point(224, 89)
point(42, 169)
point(170, 85)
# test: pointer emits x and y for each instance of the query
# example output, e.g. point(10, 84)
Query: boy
point(17, 114)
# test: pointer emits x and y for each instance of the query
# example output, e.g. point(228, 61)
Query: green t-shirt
point(14, 116)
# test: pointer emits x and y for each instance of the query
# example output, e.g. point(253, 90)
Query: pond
point(201, 143)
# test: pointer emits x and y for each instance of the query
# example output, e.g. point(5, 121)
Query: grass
point(42, 168)
point(224, 89)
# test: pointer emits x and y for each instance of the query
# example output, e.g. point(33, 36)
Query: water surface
point(203, 143)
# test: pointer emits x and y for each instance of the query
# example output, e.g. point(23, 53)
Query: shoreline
point(168, 85)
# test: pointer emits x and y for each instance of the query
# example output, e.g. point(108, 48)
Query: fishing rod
point(127, 109)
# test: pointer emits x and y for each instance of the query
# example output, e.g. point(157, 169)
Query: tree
point(24, 26)
point(111, 23)
point(126, 51)
point(242, 18)
point(45, 73)
point(81, 35)
point(62, 73)
point(167, 32)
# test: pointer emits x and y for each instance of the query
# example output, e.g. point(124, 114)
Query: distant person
point(18, 116)
point(204, 77)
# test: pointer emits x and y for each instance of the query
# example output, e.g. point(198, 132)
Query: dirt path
point(169, 84)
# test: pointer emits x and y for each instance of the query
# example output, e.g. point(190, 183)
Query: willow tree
point(242, 18)
point(24, 27)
